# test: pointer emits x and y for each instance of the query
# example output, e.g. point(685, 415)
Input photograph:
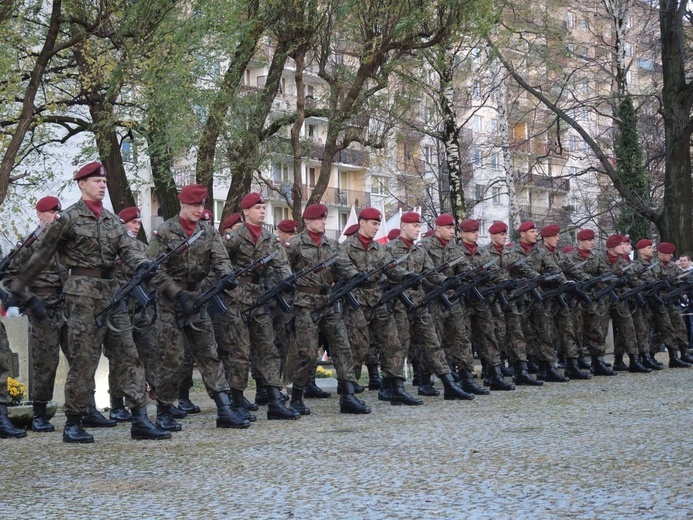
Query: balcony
point(543, 216)
point(184, 176)
point(544, 182)
point(332, 196)
point(357, 159)
point(411, 165)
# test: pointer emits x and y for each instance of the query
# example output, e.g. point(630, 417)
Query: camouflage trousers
point(238, 341)
point(421, 327)
point(563, 321)
point(538, 323)
point(85, 342)
point(331, 325)
point(481, 324)
point(282, 338)
point(5, 364)
point(510, 323)
point(46, 339)
point(593, 335)
point(200, 335)
point(641, 324)
point(668, 323)
point(186, 369)
point(144, 336)
point(452, 333)
point(382, 329)
point(622, 319)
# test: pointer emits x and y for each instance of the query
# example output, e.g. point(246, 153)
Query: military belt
point(46, 290)
point(249, 279)
point(192, 286)
point(106, 274)
point(313, 290)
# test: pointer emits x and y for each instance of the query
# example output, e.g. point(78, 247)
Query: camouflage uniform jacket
point(242, 251)
point(197, 268)
point(53, 276)
point(418, 262)
point(568, 265)
point(303, 253)
point(539, 262)
point(123, 273)
point(83, 241)
point(482, 256)
point(366, 260)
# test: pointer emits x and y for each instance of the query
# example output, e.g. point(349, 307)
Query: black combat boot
point(469, 385)
point(275, 406)
point(426, 387)
point(675, 362)
point(185, 404)
point(261, 397)
point(374, 380)
point(485, 374)
point(654, 361)
point(532, 366)
point(636, 366)
point(348, 403)
point(39, 423)
point(646, 361)
point(7, 429)
point(619, 365)
point(73, 431)
point(560, 362)
point(385, 393)
point(416, 369)
point(226, 417)
point(297, 403)
point(400, 395)
point(583, 363)
point(118, 411)
point(238, 405)
point(497, 381)
point(599, 368)
point(686, 356)
point(453, 391)
point(177, 413)
point(313, 391)
point(164, 418)
point(506, 369)
point(522, 376)
point(95, 419)
point(551, 375)
point(142, 428)
point(572, 370)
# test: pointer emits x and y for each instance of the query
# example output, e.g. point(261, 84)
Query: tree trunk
point(296, 191)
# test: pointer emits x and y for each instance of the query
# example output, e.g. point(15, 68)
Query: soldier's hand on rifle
point(414, 278)
point(148, 270)
point(36, 308)
point(286, 287)
point(230, 282)
point(185, 301)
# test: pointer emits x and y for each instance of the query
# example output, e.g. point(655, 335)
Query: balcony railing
point(316, 152)
point(542, 215)
point(332, 196)
point(542, 181)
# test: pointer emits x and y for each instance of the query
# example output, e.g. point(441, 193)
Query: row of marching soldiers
point(417, 300)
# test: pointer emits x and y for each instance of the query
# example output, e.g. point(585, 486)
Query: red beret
point(666, 247)
point(231, 220)
point(526, 226)
point(370, 214)
point(315, 211)
point(626, 239)
point(288, 226)
point(469, 225)
point(410, 217)
point(92, 169)
point(251, 199)
point(585, 234)
point(429, 233)
point(568, 249)
point(614, 240)
point(643, 243)
point(129, 213)
point(550, 231)
point(193, 194)
point(48, 203)
point(351, 230)
point(498, 227)
point(207, 215)
point(445, 220)
point(394, 233)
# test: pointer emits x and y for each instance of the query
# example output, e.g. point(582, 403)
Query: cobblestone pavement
point(616, 447)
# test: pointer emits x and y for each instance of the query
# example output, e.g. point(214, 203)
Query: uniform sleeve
point(279, 266)
point(219, 266)
point(162, 280)
point(57, 233)
point(343, 268)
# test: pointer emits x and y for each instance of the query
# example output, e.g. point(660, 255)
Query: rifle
point(398, 291)
point(646, 291)
point(481, 275)
point(344, 288)
point(531, 286)
point(276, 291)
point(621, 279)
point(499, 289)
point(212, 297)
point(570, 287)
point(134, 285)
point(20, 245)
point(682, 289)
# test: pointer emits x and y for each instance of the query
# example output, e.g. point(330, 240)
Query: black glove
point(148, 270)
point(287, 287)
point(36, 308)
point(451, 280)
point(414, 278)
point(230, 282)
point(186, 302)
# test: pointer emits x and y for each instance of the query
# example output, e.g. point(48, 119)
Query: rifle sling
point(255, 279)
point(105, 274)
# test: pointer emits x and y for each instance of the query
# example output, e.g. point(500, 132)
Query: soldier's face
point(255, 215)
point(627, 248)
point(369, 228)
point(283, 236)
point(134, 226)
point(46, 217)
point(586, 245)
point(665, 257)
point(446, 232)
point(93, 188)
point(192, 212)
point(410, 230)
point(471, 237)
point(499, 239)
point(646, 252)
point(529, 237)
point(315, 225)
point(551, 241)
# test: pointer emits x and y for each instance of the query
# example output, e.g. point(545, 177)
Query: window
point(479, 191)
point(477, 157)
point(281, 172)
point(570, 20)
point(281, 213)
point(126, 150)
point(627, 49)
point(583, 25)
point(379, 185)
point(495, 195)
point(494, 125)
point(311, 132)
point(645, 64)
point(478, 124)
point(629, 77)
point(583, 52)
point(495, 163)
point(311, 177)
point(520, 131)
point(476, 55)
point(309, 91)
point(572, 143)
point(218, 210)
point(429, 154)
point(476, 89)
